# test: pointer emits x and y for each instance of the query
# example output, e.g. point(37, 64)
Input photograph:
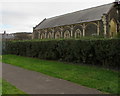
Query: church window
point(66, 34)
point(78, 33)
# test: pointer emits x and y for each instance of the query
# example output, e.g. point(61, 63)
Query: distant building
point(17, 36)
point(6, 36)
point(101, 21)
point(23, 36)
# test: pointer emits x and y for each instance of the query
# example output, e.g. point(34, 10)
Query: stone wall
point(113, 16)
point(69, 31)
point(108, 26)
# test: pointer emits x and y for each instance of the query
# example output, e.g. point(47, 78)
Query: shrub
point(97, 52)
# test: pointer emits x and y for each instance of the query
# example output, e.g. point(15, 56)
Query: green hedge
point(97, 52)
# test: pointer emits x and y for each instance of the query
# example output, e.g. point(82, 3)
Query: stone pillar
point(98, 28)
point(84, 30)
point(45, 33)
point(104, 24)
point(61, 32)
point(72, 31)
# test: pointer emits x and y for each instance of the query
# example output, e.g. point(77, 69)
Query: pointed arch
point(42, 35)
point(91, 29)
point(49, 35)
point(113, 28)
point(67, 34)
point(57, 35)
point(77, 30)
point(78, 33)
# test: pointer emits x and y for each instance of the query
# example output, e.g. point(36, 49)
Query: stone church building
point(101, 21)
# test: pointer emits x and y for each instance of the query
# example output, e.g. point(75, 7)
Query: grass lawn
point(93, 77)
point(7, 88)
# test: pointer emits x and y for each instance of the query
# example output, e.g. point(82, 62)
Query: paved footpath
point(33, 82)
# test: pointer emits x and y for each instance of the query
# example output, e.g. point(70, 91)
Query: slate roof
point(87, 15)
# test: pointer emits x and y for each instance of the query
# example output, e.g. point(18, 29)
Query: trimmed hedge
point(97, 52)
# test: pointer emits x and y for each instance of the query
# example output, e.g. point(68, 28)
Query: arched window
point(91, 29)
point(49, 35)
point(113, 28)
point(78, 33)
point(57, 35)
point(42, 36)
point(67, 34)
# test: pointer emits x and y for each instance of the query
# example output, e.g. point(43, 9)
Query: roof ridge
point(79, 11)
point(85, 15)
point(40, 22)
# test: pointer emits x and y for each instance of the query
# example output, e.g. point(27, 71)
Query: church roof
point(87, 15)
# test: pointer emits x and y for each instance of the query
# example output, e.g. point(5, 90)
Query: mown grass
point(8, 88)
point(90, 76)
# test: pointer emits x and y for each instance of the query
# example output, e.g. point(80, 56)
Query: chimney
point(4, 32)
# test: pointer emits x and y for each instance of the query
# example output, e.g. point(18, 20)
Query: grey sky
point(23, 16)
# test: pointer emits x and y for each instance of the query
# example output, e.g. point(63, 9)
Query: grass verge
point(7, 88)
point(93, 77)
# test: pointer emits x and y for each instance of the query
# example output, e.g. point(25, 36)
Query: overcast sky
point(22, 16)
